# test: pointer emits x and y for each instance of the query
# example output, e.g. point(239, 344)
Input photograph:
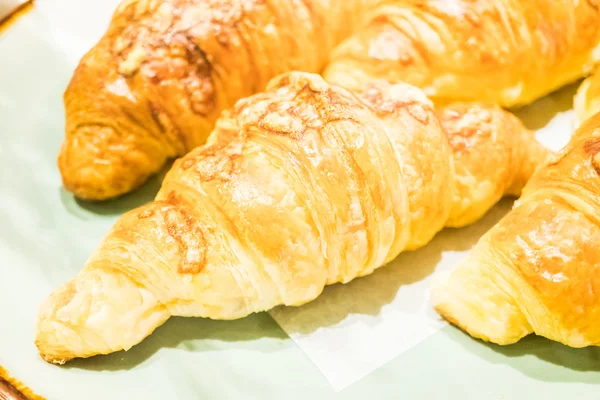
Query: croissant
point(587, 99)
point(153, 86)
point(505, 52)
point(301, 186)
point(537, 270)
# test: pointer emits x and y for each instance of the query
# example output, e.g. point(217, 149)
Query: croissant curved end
point(81, 318)
point(98, 163)
point(52, 335)
point(478, 303)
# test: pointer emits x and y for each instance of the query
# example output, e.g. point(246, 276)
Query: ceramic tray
point(46, 235)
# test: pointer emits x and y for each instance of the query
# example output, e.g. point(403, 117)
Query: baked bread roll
point(298, 187)
point(538, 270)
point(153, 86)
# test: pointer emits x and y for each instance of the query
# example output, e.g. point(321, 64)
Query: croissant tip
point(88, 179)
point(84, 183)
point(56, 359)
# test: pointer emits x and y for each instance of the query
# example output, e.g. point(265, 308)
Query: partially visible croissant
point(538, 270)
point(299, 187)
point(502, 51)
point(587, 99)
point(153, 86)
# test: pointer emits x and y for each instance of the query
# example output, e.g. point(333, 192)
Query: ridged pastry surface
point(537, 270)
point(507, 52)
point(300, 186)
point(152, 88)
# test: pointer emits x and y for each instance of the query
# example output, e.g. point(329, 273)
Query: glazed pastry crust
point(154, 85)
point(537, 271)
point(298, 187)
point(505, 52)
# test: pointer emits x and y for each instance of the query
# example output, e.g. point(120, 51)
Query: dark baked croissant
point(153, 86)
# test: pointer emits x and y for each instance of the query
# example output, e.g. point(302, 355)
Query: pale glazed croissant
point(299, 187)
point(587, 99)
point(538, 270)
point(503, 51)
point(153, 86)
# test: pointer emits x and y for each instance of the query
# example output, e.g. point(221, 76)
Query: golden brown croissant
point(153, 86)
point(299, 187)
point(502, 51)
point(155, 83)
point(587, 99)
point(538, 269)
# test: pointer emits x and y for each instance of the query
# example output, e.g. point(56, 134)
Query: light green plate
point(46, 235)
